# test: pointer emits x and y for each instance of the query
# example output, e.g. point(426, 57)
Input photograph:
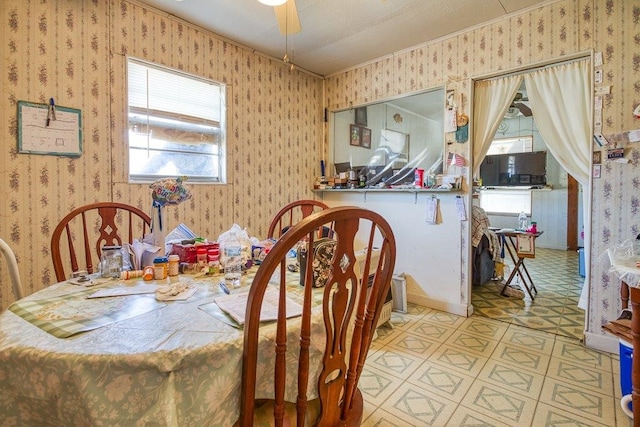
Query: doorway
point(555, 269)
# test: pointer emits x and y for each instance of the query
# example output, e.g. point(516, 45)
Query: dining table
point(69, 357)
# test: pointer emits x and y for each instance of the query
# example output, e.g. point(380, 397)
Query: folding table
point(509, 239)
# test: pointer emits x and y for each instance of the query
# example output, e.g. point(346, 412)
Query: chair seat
point(263, 414)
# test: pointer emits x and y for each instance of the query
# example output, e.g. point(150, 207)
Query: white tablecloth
point(173, 366)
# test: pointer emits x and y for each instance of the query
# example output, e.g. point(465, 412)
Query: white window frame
point(186, 107)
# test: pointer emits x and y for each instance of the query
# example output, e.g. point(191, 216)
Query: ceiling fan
point(286, 15)
point(518, 106)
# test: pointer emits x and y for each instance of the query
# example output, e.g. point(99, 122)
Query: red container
point(419, 180)
point(187, 253)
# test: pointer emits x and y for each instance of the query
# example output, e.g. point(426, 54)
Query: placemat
point(66, 315)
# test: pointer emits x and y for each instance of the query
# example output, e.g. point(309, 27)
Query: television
point(514, 169)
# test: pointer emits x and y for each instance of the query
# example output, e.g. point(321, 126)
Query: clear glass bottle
point(523, 221)
point(232, 261)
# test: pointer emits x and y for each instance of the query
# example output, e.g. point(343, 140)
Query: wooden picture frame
point(355, 136)
point(361, 116)
point(365, 137)
point(597, 157)
point(526, 245)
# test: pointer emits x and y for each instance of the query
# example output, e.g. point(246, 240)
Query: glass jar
point(111, 261)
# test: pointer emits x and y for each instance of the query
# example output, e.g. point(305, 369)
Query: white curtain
point(491, 99)
point(560, 98)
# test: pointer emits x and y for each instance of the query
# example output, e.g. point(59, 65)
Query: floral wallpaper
point(75, 51)
point(535, 37)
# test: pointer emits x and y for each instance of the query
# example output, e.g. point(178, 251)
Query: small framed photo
point(361, 116)
point(526, 246)
point(355, 135)
point(597, 157)
point(597, 171)
point(365, 138)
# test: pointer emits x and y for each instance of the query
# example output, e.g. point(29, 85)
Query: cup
point(625, 402)
point(419, 178)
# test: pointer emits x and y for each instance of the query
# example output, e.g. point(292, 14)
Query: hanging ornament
point(462, 132)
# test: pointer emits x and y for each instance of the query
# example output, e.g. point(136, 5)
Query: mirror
point(387, 141)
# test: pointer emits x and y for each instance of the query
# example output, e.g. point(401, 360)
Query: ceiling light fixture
point(273, 2)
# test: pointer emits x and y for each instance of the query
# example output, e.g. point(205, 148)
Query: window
point(506, 201)
point(176, 124)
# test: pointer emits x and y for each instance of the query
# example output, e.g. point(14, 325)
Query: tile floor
point(555, 308)
point(438, 369)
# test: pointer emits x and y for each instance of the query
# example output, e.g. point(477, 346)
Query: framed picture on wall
point(365, 138)
point(361, 116)
point(355, 135)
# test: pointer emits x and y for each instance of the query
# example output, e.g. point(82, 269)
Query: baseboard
point(447, 307)
point(607, 343)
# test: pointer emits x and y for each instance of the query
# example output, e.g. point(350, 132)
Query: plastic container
point(232, 261)
point(111, 261)
point(173, 265)
point(523, 221)
point(581, 269)
point(213, 259)
point(201, 257)
point(419, 178)
point(626, 357)
point(160, 268)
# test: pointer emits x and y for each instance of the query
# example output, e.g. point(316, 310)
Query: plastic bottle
point(201, 256)
point(172, 269)
point(160, 267)
point(232, 261)
point(213, 260)
point(523, 221)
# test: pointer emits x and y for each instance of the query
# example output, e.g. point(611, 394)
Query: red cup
point(419, 178)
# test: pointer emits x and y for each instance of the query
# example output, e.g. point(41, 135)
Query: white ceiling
point(339, 34)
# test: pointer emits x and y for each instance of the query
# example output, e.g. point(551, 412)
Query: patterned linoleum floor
point(438, 369)
point(554, 309)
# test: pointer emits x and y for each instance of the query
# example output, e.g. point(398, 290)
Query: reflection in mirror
point(383, 144)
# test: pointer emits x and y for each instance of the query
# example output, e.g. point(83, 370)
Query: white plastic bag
point(245, 243)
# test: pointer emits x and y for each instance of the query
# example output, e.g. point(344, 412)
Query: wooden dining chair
point(89, 228)
point(327, 375)
point(12, 266)
point(292, 214)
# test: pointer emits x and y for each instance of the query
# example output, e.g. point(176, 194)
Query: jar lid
point(201, 250)
point(111, 248)
point(160, 259)
point(174, 258)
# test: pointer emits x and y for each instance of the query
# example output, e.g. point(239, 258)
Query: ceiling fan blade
point(287, 16)
point(526, 111)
